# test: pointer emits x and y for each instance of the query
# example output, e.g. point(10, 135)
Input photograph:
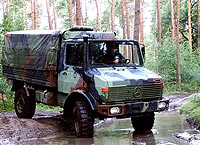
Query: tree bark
point(8, 7)
point(78, 13)
point(137, 20)
point(127, 21)
point(123, 20)
point(32, 18)
point(71, 21)
point(24, 14)
point(113, 16)
point(48, 14)
point(98, 23)
point(159, 39)
point(86, 14)
point(177, 46)
point(189, 26)
point(3, 8)
point(172, 19)
point(54, 15)
point(199, 28)
point(34, 13)
point(141, 25)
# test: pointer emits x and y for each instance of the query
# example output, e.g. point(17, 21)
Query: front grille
point(131, 93)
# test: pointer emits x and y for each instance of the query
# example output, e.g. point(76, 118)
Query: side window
point(96, 53)
point(74, 54)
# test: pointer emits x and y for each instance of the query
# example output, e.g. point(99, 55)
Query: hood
point(124, 76)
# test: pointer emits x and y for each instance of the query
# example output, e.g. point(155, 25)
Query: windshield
point(114, 53)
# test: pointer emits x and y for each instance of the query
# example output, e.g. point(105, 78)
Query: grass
point(8, 106)
point(192, 109)
point(41, 106)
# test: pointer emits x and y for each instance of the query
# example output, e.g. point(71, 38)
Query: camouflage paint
point(31, 55)
point(38, 57)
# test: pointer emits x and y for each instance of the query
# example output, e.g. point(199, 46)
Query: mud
point(45, 124)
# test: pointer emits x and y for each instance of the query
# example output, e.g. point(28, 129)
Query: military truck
point(67, 69)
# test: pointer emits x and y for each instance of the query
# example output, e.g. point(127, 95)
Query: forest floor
point(49, 124)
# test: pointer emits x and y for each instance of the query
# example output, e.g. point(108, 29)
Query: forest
point(169, 30)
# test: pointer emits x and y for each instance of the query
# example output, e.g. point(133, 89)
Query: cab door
point(69, 80)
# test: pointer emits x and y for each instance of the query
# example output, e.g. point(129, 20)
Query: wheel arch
point(79, 95)
point(17, 84)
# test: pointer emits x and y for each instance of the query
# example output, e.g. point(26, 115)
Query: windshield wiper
point(100, 64)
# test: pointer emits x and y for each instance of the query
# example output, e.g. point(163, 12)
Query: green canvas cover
point(31, 55)
point(32, 49)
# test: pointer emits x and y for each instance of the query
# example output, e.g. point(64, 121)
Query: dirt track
point(46, 125)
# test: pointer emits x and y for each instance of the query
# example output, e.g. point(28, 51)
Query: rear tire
point(143, 122)
point(83, 119)
point(24, 105)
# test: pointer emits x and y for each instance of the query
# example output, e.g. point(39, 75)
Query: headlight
point(115, 110)
point(162, 105)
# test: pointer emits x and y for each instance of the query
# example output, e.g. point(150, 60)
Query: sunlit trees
point(172, 19)
point(177, 44)
point(142, 23)
point(98, 19)
point(54, 14)
point(113, 15)
point(199, 29)
point(34, 14)
point(127, 20)
point(159, 39)
point(79, 18)
point(49, 15)
point(137, 20)
point(190, 26)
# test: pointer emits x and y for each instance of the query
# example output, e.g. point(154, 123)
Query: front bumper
point(130, 109)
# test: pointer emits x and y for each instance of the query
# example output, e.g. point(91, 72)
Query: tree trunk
point(71, 21)
point(24, 14)
point(199, 28)
point(54, 15)
point(113, 16)
point(49, 16)
point(127, 21)
point(159, 39)
point(177, 46)
point(123, 23)
point(189, 26)
point(123, 20)
point(141, 26)
point(34, 13)
point(172, 19)
point(98, 23)
point(137, 20)
point(78, 13)
point(8, 7)
point(3, 12)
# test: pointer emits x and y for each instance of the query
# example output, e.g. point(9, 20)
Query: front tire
point(143, 122)
point(24, 105)
point(83, 119)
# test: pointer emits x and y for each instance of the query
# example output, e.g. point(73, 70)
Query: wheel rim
point(20, 104)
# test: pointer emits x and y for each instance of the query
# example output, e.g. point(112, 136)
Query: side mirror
point(143, 51)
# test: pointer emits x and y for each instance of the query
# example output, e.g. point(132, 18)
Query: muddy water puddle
point(120, 132)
